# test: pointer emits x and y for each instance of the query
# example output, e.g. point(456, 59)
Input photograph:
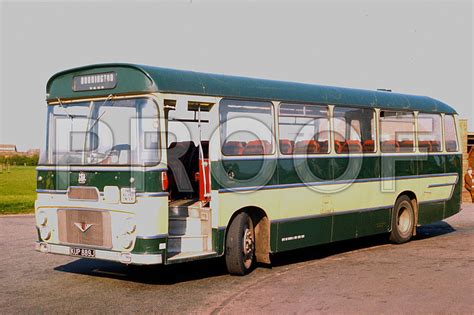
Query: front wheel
point(240, 245)
point(403, 220)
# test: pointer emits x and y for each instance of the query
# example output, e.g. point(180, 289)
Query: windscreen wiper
point(98, 118)
point(64, 108)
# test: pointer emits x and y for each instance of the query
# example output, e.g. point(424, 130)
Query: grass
point(18, 190)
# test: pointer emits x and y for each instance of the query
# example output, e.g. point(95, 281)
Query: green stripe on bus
point(321, 229)
point(149, 181)
point(149, 246)
point(237, 173)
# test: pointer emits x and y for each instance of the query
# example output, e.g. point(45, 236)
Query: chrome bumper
point(123, 257)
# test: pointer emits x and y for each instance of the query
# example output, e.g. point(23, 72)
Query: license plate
point(83, 252)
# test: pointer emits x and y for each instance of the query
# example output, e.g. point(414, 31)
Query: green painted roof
point(146, 79)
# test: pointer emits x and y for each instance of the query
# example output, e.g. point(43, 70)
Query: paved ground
point(432, 274)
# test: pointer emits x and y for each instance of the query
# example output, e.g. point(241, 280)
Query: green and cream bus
point(146, 165)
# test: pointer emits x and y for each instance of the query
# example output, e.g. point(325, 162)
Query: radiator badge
point(83, 226)
point(81, 179)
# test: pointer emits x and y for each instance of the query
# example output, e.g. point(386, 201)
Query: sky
point(414, 47)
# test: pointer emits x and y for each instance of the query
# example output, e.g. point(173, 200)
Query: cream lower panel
point(152, 216)
point(215, 208)
point(265, 199)
point(283, 203)
point(438, 188)
point(149, 214)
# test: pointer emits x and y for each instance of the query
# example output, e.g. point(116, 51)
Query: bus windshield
point(110, 132)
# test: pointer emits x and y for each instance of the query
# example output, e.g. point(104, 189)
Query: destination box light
point(96, 81)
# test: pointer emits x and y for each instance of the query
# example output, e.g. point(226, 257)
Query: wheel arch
point(262, 231)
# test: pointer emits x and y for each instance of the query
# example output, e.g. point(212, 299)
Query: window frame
point(413, 113)
point(375, 126)
point(442, 144)
point(222, 139)
point(455, 134)
point(328, 117)
point(149, 97)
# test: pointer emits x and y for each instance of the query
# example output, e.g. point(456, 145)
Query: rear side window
point(450, 134)
point(429, 132)
point(397, 131)
point(246, 127)
point(304, 129)
point(354, 130)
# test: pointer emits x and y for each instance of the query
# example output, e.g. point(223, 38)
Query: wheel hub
point(404, 221)
point(248, 244)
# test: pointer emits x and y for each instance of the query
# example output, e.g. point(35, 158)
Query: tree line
point(20, 160)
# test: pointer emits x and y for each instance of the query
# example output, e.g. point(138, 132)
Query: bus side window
point(397, 131)
point(354, 130)
point(429, 132)
point(304, 129)
point(246, 127)
point(450, 134)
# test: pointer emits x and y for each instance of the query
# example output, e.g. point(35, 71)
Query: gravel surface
point(434, 273)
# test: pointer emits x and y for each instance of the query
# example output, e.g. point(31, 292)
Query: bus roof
point(132, 78)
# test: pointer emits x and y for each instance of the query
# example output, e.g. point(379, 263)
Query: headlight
point(42, 218)
point(126, 240)
point(127, 195)
point(129, 226)
point(45, 233)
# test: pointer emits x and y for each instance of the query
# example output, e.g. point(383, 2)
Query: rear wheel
point(240, 245)
point(403, 220)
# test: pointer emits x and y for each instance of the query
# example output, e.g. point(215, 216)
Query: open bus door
point(190, 226)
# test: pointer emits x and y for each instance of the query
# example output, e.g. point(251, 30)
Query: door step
point(189, 256)
point(190, 226)
point(190, 232)
point(177, 244)
point(194, 211)
point(183, 202)
point(183, 211)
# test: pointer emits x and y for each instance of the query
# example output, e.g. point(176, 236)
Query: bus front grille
point(85, 227)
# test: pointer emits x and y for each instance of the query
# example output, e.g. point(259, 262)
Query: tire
point(240, 245)
point(403, 220)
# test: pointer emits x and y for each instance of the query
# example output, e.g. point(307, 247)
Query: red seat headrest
point(406, 145)
point(323, 146)
point(233, 148)
point(258, 147)
point(425, 145)
point(435, 146)
point(307, 147)
point(286, 146)
point(338, 145)
point(353, 146)
point(368, 146)
point(390, 146)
